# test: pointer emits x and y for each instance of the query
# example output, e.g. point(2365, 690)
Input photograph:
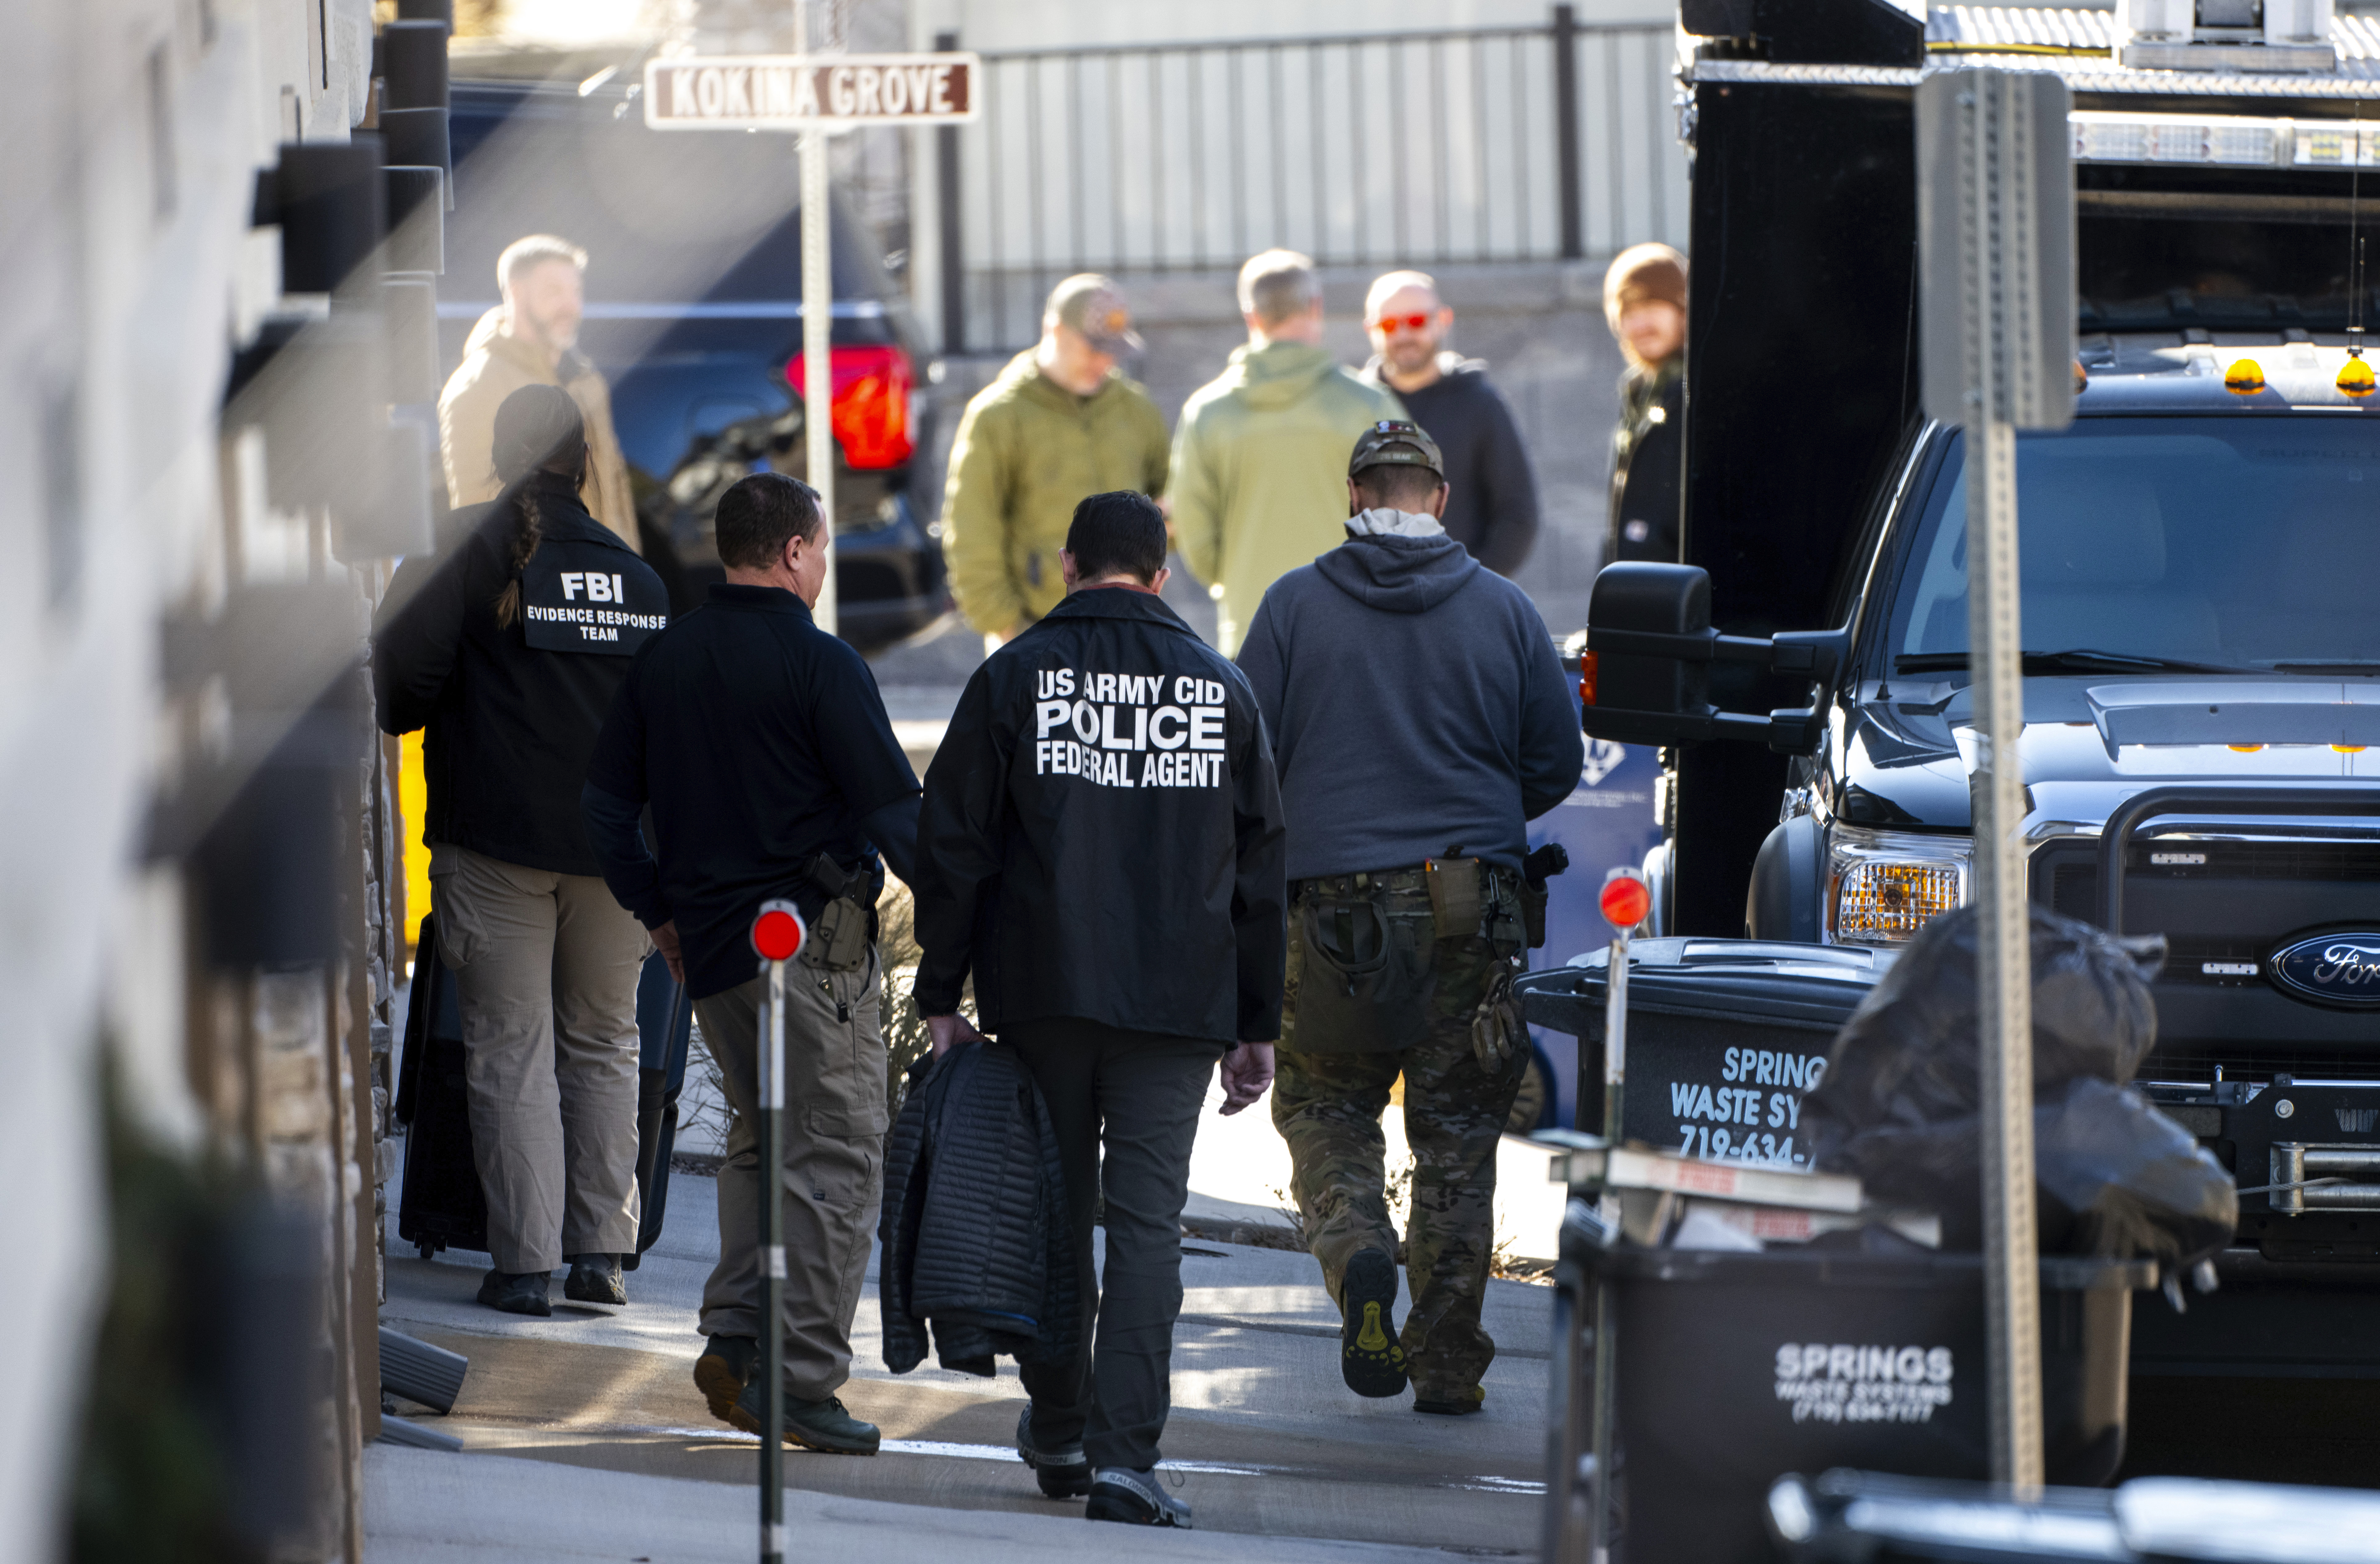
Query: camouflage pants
point(1329, 1105)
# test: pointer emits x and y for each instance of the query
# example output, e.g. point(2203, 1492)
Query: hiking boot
point(1459, 1401)
point(1138, 1498)
point(1370, 1358)
point(517, 1292)
point(1063, 1470)
point(595, 1278)
point(823, 1425)
point(720, 1374)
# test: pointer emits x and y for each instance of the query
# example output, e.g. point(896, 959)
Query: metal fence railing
point(1492, 144)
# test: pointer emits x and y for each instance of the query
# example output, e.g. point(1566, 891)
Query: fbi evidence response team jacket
point(1102, 834)
point(513, 710)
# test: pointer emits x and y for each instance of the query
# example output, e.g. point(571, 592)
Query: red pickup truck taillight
point(871, 403)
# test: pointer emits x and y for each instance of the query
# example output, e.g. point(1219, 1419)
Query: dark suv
point(694, 314)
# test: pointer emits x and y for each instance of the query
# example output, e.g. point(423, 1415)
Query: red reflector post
point(1626, 900)
point(871, 417)
point(778, 932)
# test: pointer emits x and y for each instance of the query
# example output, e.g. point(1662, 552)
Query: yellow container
point(413, 807)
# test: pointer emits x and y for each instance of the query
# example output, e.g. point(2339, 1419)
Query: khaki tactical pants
point(545, 968)
point(1328, 1107)
point(833, 1176)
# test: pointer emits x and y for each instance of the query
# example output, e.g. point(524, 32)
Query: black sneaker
point(517, 1292)
point(595, 1278)
point(1138, 1498)
point(720, 1374)
point(823, 1425)
point(1370, 1359)
point(1459, 1401)
point(1064, 1471)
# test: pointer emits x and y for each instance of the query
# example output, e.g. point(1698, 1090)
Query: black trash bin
point(1732, 1369)
point(1725, 1036)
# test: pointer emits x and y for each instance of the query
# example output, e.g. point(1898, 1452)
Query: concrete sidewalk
point(1265, 1440)
point(429, 1509)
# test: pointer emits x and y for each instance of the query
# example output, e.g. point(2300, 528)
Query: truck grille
point(2203, 927)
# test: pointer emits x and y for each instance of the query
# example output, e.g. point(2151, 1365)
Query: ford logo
point(2339, 969)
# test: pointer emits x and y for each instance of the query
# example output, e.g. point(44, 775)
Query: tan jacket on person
point(494, 366)
point(1027, 452)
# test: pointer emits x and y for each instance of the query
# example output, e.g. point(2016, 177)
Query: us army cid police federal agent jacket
point(1102, 834)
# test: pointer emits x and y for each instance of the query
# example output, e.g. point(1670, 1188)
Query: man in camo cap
point(1397, 655)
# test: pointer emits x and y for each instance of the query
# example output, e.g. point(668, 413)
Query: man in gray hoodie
point(1420, 719)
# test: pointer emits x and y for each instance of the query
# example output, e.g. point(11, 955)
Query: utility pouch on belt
point(1366, 980)
point(1454, 895)
point(838, 940)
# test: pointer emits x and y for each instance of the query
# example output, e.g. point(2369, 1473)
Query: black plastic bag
point(2114, 1178)
point(1908, 1054)
point(1900, 1099)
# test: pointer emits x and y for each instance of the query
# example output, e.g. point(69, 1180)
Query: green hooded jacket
point(1260, 471)
point(1028, 451)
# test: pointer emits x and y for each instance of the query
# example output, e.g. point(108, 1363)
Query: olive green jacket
point(1027, 452)
point(1260, 472)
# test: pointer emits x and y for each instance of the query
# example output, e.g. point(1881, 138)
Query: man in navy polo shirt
point(762, 744)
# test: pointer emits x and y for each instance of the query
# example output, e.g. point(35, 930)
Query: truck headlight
point(1882, 887)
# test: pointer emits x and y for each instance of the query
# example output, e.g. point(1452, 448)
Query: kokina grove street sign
point(787, 91)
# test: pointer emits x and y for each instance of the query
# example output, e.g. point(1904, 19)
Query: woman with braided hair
point(507, 648)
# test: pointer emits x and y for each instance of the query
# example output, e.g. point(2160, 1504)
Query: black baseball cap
point(1395, 442)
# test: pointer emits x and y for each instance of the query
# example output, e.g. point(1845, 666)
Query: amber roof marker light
point(2244, 378)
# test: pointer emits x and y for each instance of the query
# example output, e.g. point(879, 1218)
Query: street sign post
point(818, 95)
point(1996, 259)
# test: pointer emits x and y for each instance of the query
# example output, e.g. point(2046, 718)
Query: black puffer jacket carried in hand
point(974, 1226)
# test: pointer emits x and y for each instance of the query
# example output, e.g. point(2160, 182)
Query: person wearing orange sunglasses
point(1491, 505)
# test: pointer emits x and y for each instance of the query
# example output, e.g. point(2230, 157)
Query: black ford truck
point(2200, 584)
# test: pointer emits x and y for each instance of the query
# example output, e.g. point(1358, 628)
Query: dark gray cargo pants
point(1137, 1098)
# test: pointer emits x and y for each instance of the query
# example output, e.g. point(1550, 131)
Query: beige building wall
point(135, 531)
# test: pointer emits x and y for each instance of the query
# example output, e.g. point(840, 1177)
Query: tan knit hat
point(1642, 272)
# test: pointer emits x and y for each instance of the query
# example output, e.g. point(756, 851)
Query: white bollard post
point(777, 935)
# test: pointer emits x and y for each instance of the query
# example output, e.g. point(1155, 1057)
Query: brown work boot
point(721, 1374)
point(1450, 1400)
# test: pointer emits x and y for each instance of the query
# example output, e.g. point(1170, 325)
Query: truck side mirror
point(1639, 697)
point(1644, 675)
